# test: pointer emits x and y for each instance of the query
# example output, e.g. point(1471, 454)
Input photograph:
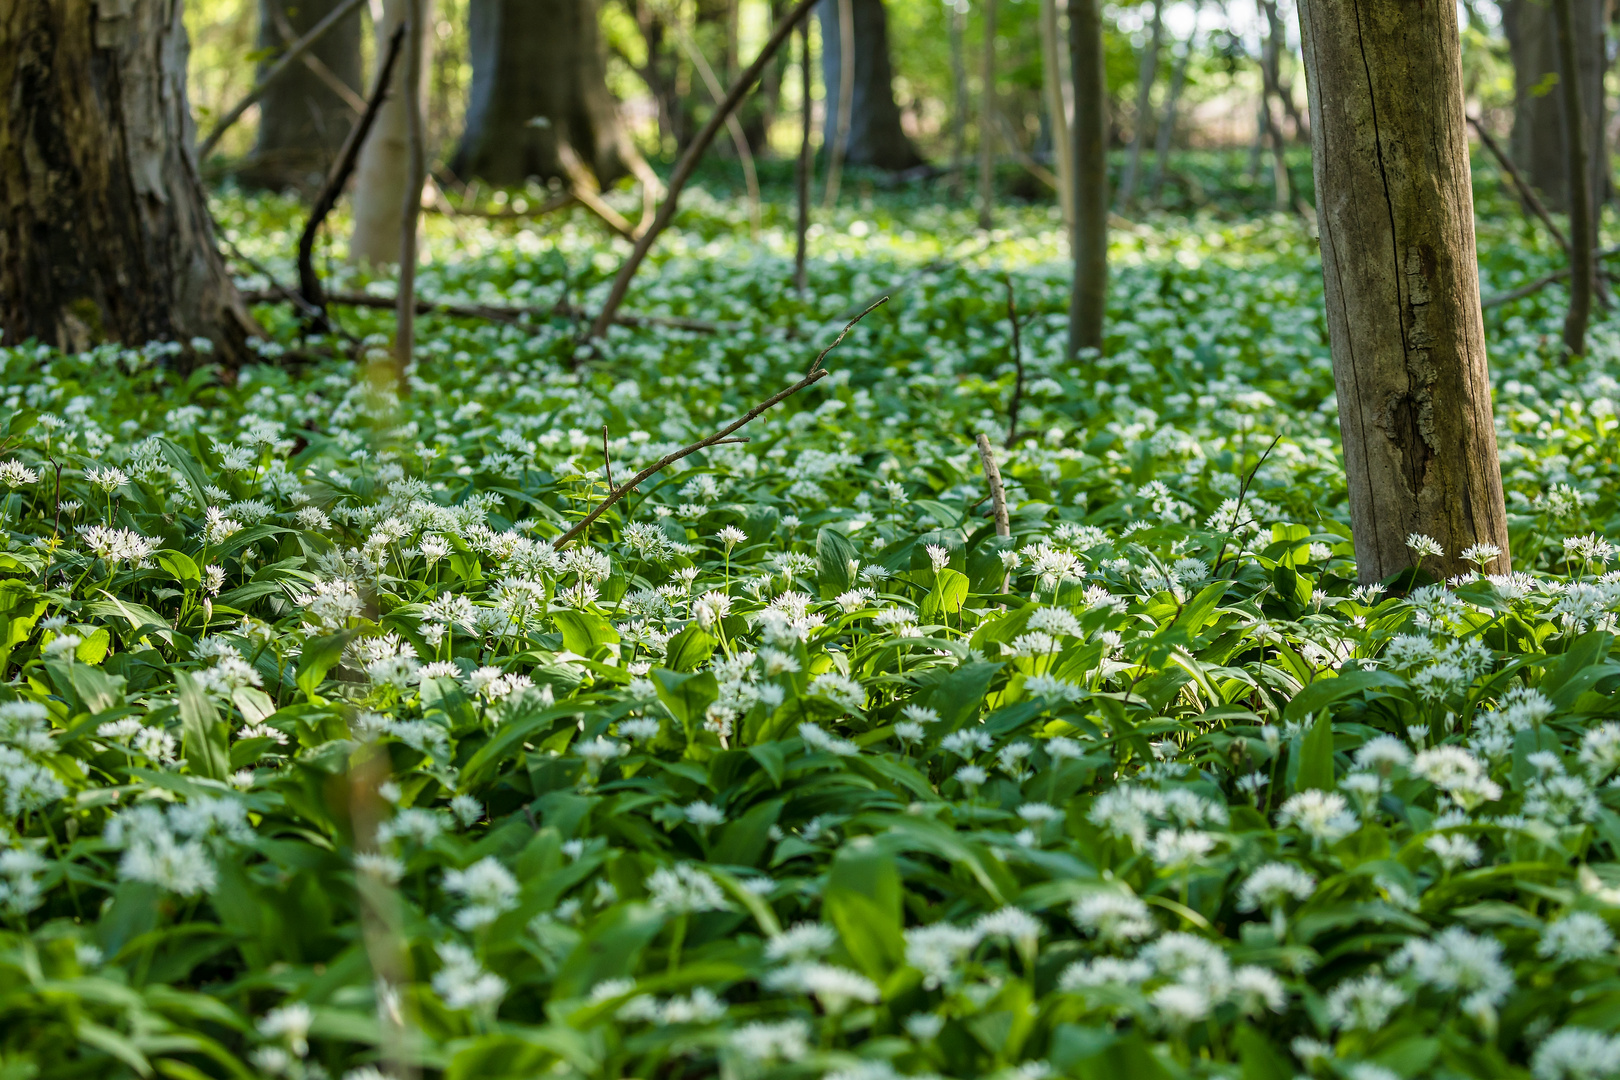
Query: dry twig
point(998, 495)
point(1018, 363)
point(814, 375)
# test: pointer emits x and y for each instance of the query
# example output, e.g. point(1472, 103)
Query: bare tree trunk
point(385, 167)
point(1052, 83)
point(411, 198)
point(1088, 300)
point(1540, 141)
point(875, 136)
point(843, 114)
point(539, 84)
point(959, 111)
point(987, 127)
point(1147, 71)
point(104, 229)
point(305, 115)
point(1178, 81)
point(1396, 211)
point(1270, 128)
point(801, 174)
point(1582, 223)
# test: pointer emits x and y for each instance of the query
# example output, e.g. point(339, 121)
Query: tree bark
point(539, 82)
point(1396, 211)
point(385, 167)
point(104, 229)
point(1540, 141)
point(801, 170)
point(1057, 109)
point(1147, 71)
point(303, 119)
point(1167, 128)
point(987, 126)
point(1582, 220)
point(1088, 300)
point(875, 136)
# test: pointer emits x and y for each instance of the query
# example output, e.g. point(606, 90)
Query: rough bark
point(104, 231)
point(1540, 143)
point(1582, 221)
point(1088, 300)
point(539, 83)
point(875, 136)
point(303, 119)
point(1390, 149)
point(385, 167)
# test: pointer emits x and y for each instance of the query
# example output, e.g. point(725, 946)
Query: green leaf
point(958, 696)
point(1198, 610)
point(180, 566)
point(207, 743)
point(610, 949)
point(187, 467)
point(1316, 696)
point(684, 694)
point(1258, 1058)
point(862, 900)
point(1316, 756)
point(834, 553)
point(320, 656)
point(585, 632)
point(689, 649)
point(93, 649)
point(946, 598)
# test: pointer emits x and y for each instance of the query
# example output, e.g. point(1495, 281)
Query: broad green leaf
point(834, 556)
point(1325, 691)
point(179, 566)
point(862, 901)
point(689, 649)
point(1316, 755)
point(320, 655)
point(207, 746)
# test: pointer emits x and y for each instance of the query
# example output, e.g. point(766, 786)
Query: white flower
point(731, 536)
point(1113, 916)
point(1176, 848)
point(1323, 815)
point(461, 981)
point(787, 1040)
point(802, 941)
point(684, 888)
point(1455, 961)
point(833, 987)
point(1579, 935)
point(840, 689)
point(1258, 990)
point(1424, 545)
point(15, 474)
point(1016, 924)
point(1575, 1053)
point(704, 814)
point(1364, 1003)
point(938, 949)
point(817, 739)
point(938, 557)
point(1453, 850)
point(488, 886)
point(1272, 885)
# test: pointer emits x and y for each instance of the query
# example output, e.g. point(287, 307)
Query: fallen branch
point(294, 53)
point(814, 375)
point(688, 164)
point(998, 496)
point(309, 283)
point(1531, 287)
point(560, 202)
point(582, 186)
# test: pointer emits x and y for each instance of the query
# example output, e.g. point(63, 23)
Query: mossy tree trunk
point(1396, 210)
point(104, 231)
point(304, 115)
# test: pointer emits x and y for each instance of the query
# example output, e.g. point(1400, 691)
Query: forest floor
point(322, 761)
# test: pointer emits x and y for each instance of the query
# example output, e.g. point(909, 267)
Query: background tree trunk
point(539, 83)
point(384, 170)
point(987, 121)
point(1402, 281)
point(303, 117)
point(104, 231)
point(875, 137)
point(1539, 144)
point(1147, 72)
point(1088, 301)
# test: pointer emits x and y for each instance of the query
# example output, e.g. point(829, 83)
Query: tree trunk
point(1396, 211)
point(104, 230)
point(539, 83)
point(987, 124)
point(1167, 129)
point(1088, 301)
point(1582, 221)
point(1147, 71)
point(1539, 144)
point(1057, 107)
point(875, 137)
point(303, 116)
point(385, 168)
point(957, 16)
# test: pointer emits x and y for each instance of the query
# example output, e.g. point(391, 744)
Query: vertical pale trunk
point(987, 121)
point(385, 170)
point(1088, 300)
point(801, 172)
point(104, 230)
point(1396, 212)
point(534, 59)
point(1052, 80)
point(304, 115)
point(1147, 72)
